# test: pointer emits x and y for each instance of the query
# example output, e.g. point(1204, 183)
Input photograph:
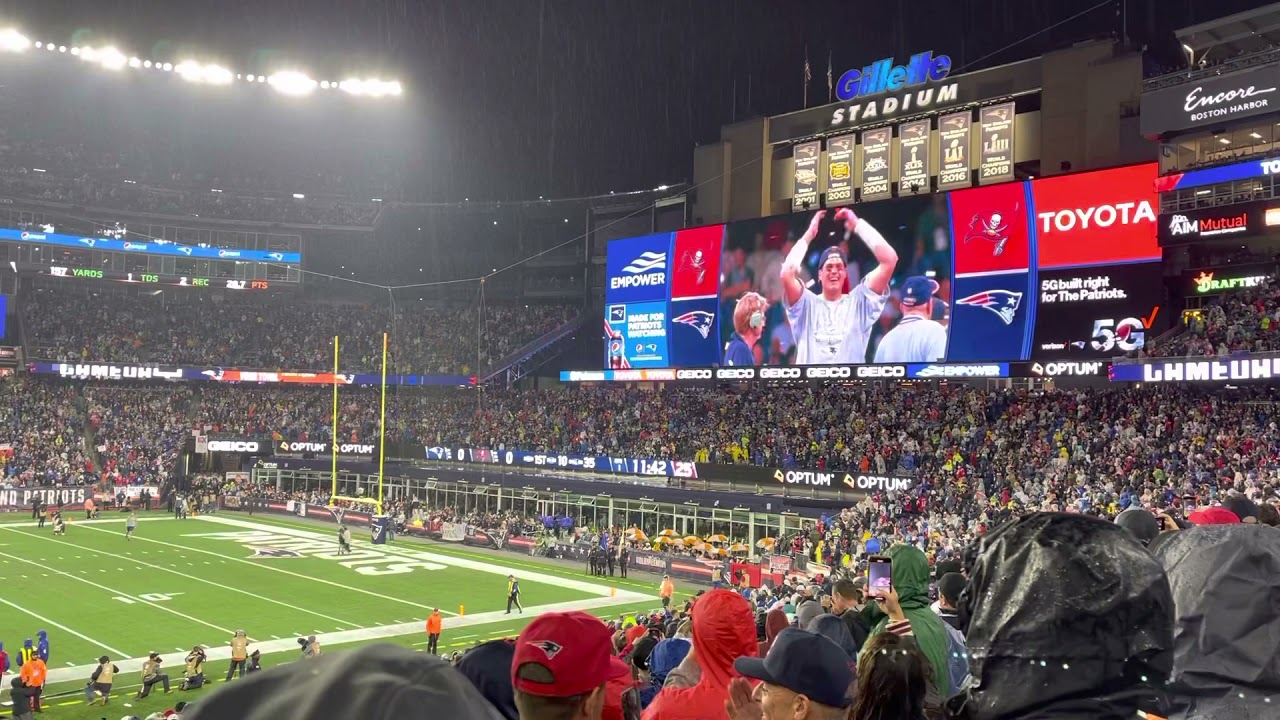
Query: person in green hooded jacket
point(911, 584)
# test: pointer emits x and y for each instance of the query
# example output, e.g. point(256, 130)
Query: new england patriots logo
point(1001, 302)
point(699, 320)
point(991, 226)
point(270, 552)
point(550, 648)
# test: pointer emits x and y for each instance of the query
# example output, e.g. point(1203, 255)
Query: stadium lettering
point(835, 371)
point(1196, 101)
point(803, 477)
point(700, 374)
point(779, 373)
point(881, 371)
point(961, 371)
point(1066, 368)
point(365, 562)
point(886, 483)
point(735, 374)
point(251, 446)
point(627, 281)
point(1212, 370)
point(1102, 216)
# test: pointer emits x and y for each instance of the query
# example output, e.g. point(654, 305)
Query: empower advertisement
point(804, 192)
point(995, 140)
point(875, 163)
point(150, 247)
point(953, 150)
point(1096, 218)
point(840, 169)
point(1214, 223)
point(1098, 312)
point(1212, 100)
point(913, 157)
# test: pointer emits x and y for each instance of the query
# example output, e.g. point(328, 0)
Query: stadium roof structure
point(1239, 34)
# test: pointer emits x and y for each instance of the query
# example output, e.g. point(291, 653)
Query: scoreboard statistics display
point(1059, 268)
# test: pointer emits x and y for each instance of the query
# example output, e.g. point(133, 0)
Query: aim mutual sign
point(882, 76)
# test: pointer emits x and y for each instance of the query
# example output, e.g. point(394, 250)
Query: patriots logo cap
point(573, 651)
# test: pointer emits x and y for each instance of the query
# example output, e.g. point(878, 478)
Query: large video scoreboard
point(1065, 268)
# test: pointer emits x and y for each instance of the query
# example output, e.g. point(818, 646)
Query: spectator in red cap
point(561, 665)
point(1213, 516)
point(724, 629)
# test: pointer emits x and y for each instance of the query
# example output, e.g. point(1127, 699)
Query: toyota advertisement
point(1065, 269)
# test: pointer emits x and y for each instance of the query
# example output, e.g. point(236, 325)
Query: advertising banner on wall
point(1099, 311)
point(995, 135)
point(1223, 222)
point(875, 163)
point(804, 191)
point(840, 169)
point(21, 499)
point(1245, 170)
point(1226, 279)
point(1211, 100)
point(913, 157)
point(1096, 218)
point(953, 150)
point(1239, 367)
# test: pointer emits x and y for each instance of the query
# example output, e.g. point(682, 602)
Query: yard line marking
point(71, 664)
point(65, 629)
point(290, 644)
point(497, 566)
point(117, 592)
point(219, 585)
point(275, 637)
point(464, 637)
point(293, 574)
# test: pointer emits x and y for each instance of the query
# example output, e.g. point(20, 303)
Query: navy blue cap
point(918, 290)
point(804, 663)
point(833, 250)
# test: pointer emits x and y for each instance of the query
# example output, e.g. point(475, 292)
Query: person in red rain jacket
point(724, 629)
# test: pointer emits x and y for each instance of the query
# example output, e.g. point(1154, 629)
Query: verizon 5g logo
point(1123, 335)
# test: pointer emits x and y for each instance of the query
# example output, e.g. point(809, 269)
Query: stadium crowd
point(1247, 321)
point(278, 335)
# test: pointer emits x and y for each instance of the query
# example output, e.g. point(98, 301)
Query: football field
point(180, 583)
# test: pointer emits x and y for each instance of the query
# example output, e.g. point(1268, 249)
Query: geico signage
point(701, 374)
point(735, 374)
point(887, 483)
point(960, 371)
point(1055, 369)
point(882, 371)
point(247, 446)
point(828, 371)
point(803, 477)
point(779, 373)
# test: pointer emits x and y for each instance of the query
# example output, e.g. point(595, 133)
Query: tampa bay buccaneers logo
point(1001, 302)
point(991, 226)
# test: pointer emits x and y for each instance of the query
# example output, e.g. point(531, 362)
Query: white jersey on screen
point(915, 339)
point(834, 332)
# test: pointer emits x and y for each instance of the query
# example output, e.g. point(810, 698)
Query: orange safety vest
point(433, 623)
point(34, 673)
point(667, 588)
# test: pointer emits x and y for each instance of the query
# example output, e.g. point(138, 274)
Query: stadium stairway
point(533, 355)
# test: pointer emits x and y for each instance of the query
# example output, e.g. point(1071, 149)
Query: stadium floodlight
point(62, 48)
point(291, 82)
point(146, 63)
point(299, 196)
point(167, 67)
point(75, 51)
point(210, 74)
point(135, 62)
point(38, 44)
point(370, 88)
point(111, 58)
point(13, 41)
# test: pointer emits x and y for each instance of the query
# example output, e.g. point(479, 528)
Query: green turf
point(193, 582)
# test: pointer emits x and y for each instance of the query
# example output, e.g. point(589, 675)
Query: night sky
point(512, 99)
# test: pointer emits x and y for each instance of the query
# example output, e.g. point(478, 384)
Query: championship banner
point(805, 186)
point(19, 499)
point(840, 169)
point(953, 150)
point(996, 133)
point(875, 163)
point(913, 157)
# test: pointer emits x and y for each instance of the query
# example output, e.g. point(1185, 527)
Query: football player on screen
point(834, 327)
point(748, 326)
